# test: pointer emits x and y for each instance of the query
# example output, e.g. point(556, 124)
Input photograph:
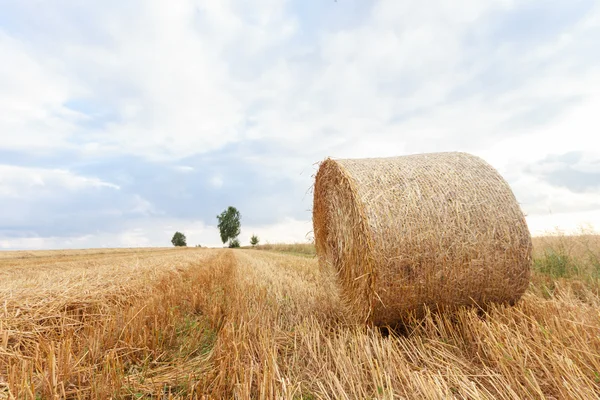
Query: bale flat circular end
point(404, 234)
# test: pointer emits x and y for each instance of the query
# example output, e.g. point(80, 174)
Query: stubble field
point(250, 323)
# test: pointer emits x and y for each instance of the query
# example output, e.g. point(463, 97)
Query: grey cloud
point(569, 171)
point(541, 111)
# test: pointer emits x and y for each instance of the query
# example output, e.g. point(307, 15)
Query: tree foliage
point(179, 239)
point(235, 243)
point(229, 225)
point(254, 240)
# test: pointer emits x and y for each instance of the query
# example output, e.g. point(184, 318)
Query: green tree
point(229, 225)
point(178, 239)
point(235, 243)
point(254, 240)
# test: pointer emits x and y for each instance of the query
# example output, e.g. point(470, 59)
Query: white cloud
point(23, 182)
point(183, 168)
point(568, 223)
point(142, 206)
point(573, 130)
point(289, 230)
point(32, 93)
point(183, 83)
point(163, 70)
point(134, 238)
point(216, 181)
point(387, 87)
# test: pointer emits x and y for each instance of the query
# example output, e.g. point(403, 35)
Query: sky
point(123, 122)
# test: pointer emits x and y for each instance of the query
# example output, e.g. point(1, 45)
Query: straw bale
point(429, 231)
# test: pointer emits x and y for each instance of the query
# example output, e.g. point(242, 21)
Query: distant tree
point(235, 243)
point(254, 240)
point(178, 239)
point(198, 245)
point(229, 225)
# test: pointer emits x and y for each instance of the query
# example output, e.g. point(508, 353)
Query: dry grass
point(259, 324)
point(307, 249)
point(80, 252)
point(101, 324)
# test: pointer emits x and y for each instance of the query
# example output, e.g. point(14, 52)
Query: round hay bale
point(429, 231)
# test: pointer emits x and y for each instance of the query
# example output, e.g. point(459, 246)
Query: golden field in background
point(221, 323)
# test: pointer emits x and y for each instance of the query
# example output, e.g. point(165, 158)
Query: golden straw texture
point(405, 234)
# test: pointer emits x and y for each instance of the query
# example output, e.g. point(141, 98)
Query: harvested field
point(221, 323)
point(307, 249)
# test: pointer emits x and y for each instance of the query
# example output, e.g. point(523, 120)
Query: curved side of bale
point(404, 234)
point(342, 237)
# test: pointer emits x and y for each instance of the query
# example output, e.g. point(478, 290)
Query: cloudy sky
point(123, 121)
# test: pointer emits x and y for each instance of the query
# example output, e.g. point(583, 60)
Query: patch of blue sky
point(95, 115)
point(316, 17)
point(534, 21)
point(49, 22)
point(55, 159)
